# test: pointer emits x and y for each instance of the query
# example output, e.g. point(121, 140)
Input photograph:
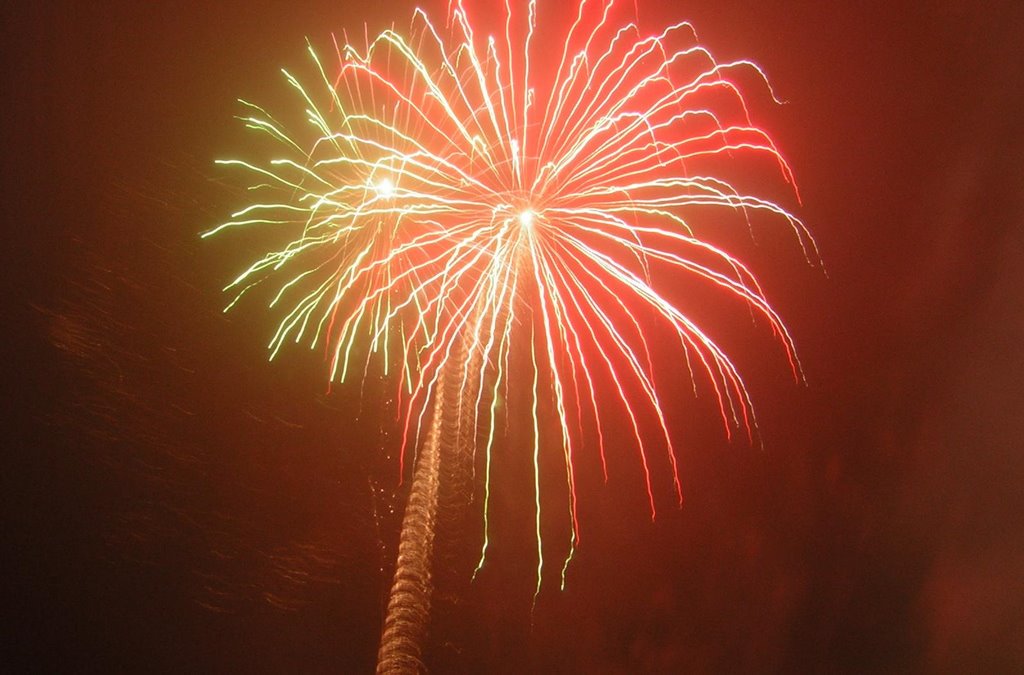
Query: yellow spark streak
point(536, 469)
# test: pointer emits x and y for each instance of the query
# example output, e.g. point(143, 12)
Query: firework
point(456, 194)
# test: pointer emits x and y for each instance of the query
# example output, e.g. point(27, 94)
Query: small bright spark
point(385, 188)
point(526, 218)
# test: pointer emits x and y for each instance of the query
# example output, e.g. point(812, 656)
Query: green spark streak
point(536, 467)
point(492, 426)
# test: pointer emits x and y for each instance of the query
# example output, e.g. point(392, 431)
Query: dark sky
point(172, 502)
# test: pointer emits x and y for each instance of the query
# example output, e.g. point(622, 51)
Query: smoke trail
point(408, 611)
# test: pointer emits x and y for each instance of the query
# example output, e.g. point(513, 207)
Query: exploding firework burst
point(453, 192)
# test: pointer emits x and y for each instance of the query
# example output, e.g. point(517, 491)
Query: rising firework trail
point(461, 197)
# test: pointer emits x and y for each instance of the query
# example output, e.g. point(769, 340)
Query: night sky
point(172, 502)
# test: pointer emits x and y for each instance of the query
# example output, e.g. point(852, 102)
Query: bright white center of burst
point(526, 218)
point(385, 188)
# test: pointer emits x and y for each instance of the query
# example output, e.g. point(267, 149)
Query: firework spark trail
point(409, 601)
point(450, 188)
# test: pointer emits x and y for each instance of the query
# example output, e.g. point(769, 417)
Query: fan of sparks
point(450, 197)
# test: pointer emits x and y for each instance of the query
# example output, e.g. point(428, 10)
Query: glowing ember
point(385, 188)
